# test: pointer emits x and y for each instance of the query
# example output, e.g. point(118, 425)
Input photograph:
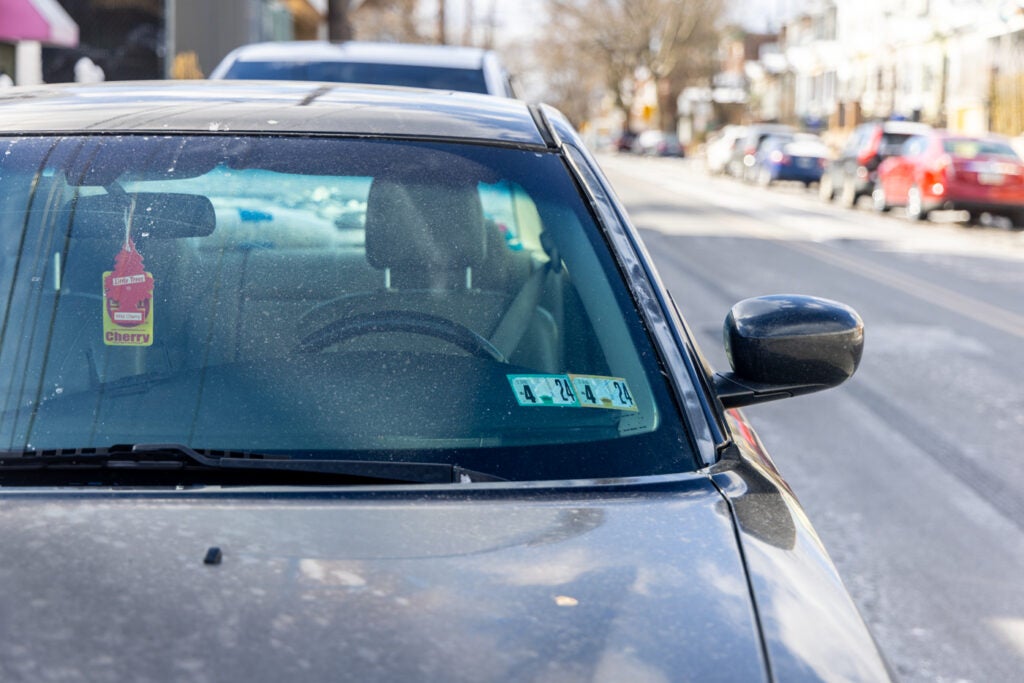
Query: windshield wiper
point(128, 461)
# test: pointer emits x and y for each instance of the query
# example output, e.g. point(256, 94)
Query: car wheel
point(915, 210)
point(974, 218)
point(825, 190)
point(1017, 220)
point(878, 200)
point(848, 197)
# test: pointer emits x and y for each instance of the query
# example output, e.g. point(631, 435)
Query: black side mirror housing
point(787, 345)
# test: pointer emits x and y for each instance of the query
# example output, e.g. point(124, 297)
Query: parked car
point(399, 396)
point(719, 148)
point(800, 157)
point(441, 67)
point(741, 163)
point(947, 171)
point(658, 143)
point(851, 175)
point(624, 141)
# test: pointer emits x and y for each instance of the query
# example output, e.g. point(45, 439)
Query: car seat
point(428, 238)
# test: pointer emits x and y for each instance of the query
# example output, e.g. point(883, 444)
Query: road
point(913, 471)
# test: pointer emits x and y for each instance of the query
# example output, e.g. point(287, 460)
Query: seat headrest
point(424, 225)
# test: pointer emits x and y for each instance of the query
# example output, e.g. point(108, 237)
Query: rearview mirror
point(159, 215)
point(787, 345)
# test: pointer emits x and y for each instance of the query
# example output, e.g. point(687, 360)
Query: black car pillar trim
point(544, 126)
point(654, 304)
point(736, 392)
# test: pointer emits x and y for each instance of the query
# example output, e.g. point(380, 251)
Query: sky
point(518, 18)
point(517, 22)
point(514, 19)
point(763, 15)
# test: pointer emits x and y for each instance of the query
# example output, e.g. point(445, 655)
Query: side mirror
point(787, 345)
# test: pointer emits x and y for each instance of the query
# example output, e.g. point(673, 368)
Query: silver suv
point(439, 67)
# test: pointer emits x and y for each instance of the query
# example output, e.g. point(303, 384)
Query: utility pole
point(441, 37)
point(467, 26)
point(489, 25)
point(339, 28)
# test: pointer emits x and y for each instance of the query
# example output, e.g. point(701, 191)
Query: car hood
point(537, 586)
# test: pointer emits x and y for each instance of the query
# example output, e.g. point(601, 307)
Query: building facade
point(153, 39)
point(950, 63)
point(25, 27)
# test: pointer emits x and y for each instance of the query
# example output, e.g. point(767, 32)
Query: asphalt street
point(913, 471)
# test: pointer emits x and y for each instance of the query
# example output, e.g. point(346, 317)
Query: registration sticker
point(544, 390)
point(595, 391)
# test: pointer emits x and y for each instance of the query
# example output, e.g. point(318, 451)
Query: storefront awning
point(42, 20)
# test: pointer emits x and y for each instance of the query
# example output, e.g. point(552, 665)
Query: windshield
point(322, 298)
point(409, 75)
point(891, 143)
point(969, 148)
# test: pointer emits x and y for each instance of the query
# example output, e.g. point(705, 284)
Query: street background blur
point(684, 67)
point(911, 472)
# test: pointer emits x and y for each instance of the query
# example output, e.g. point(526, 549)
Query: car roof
point(761, 128)
point(452, 56)
point(266, 107)
point(947, 134)
point(905, 127)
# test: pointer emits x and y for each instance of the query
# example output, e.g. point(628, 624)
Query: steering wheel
point(401, 321)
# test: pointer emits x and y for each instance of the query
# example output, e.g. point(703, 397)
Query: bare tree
point(573, 90)
point(673, 41)
point(388, 20)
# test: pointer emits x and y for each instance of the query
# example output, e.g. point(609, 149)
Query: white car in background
point(438, 67)
point(718, 150)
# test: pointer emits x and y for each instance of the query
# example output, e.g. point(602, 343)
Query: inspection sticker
point(595, 391)
point(543, 390)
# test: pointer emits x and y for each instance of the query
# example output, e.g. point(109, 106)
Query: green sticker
point(595, 391)
point(544, 390)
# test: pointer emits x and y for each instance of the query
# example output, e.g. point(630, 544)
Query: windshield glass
point(324, 298)
point(409, 75)
point(969, 148)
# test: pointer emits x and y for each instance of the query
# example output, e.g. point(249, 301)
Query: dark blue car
point(800, 157)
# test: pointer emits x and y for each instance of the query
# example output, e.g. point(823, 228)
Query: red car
point(940, 170)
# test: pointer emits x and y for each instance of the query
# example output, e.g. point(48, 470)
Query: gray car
point(348, 383)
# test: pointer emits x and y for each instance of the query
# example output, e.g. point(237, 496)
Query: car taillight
point(869, 155)
point(777, 156)
point(870, 160)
